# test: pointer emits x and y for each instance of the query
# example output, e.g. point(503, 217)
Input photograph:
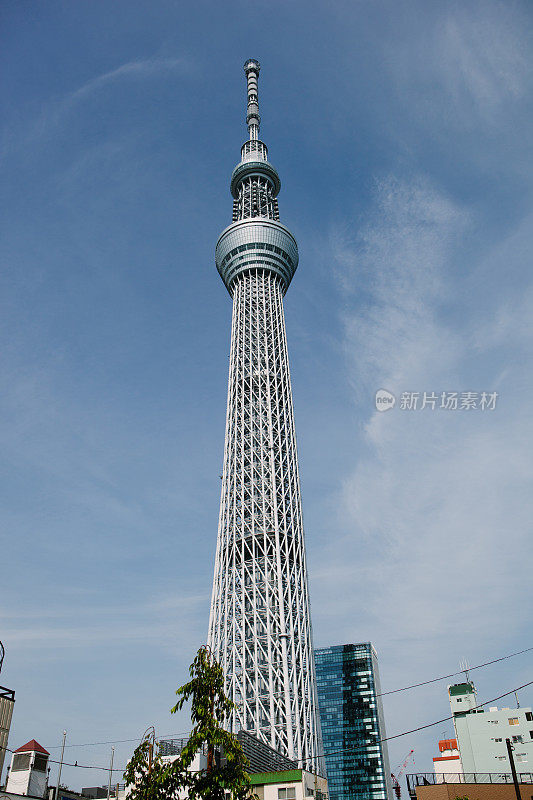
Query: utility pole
point(513, 768)
point(110, 774)
point(60, 764)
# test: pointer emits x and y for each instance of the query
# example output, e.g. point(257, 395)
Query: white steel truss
point(260, 624)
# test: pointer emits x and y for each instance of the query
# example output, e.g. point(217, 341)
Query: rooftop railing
point(433, 779)
point(173, 747)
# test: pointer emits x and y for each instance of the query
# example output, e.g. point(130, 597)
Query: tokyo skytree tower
point(260, 625)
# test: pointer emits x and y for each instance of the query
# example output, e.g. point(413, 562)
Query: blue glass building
point(351, 713)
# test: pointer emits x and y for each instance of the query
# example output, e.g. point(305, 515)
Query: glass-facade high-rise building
point(352, 720)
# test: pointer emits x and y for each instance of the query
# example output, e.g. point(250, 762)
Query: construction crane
point(399, 772)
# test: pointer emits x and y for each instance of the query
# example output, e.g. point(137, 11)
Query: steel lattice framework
point(260, 626)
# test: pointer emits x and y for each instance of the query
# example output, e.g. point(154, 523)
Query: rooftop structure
point(261, 757)
point(449, 760)
point(28, 772)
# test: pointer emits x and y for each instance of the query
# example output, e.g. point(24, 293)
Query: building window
point(518, 738)
point(40, 762)
point(531, 734)
point(497, 740)
point(21, 761)
point(287, 794)
point(513, 721)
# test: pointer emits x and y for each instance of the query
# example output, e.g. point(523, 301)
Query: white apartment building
point(481, 733)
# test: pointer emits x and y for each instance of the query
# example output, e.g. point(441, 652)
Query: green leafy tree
point(152, 779)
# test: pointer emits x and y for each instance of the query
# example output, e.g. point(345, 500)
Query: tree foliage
point(153, 779)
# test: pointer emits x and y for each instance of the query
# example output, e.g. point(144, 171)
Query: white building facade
point(481, 734)
point(28, 773)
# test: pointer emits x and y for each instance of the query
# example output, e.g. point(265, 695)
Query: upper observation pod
point(256, 229)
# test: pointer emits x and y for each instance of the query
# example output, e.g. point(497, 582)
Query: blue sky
point(402, 134)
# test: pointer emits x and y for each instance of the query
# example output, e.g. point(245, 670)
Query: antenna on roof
point(465, 666)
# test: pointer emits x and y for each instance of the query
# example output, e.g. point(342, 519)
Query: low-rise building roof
point(32, 747)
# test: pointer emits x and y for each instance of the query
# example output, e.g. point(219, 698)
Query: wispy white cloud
point(400, 254)
point(470, 68)
point(54, 111)
point(484, 58)
point(437, 505)
point(143, 68)
point(156, 623)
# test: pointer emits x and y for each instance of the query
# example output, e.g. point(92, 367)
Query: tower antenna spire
point(253, 120)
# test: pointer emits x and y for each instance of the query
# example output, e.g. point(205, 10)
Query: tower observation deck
point(260, 626)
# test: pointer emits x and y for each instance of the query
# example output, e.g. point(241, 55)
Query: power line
point(420, 727)
point(382, 694)
point(115, 741)
point(330, 752)
point(80, 766)
point(446, 719)
point(119, 741)
point(453, 674)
